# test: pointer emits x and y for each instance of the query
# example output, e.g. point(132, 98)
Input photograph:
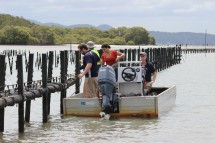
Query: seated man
point(150, 72)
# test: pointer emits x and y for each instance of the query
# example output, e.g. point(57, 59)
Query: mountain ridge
point(102, 27)
point(189, 38)
point(162, 38)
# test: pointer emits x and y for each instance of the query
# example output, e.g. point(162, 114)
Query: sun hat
point(143, 53)
point(90, 44)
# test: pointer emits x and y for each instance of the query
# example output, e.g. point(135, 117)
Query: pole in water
point(205, 40)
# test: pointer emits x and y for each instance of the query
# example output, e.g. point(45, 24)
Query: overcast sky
point(154, 15)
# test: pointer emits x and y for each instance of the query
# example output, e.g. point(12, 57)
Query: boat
point(127, 100)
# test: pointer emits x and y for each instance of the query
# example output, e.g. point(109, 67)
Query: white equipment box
point(130, 78)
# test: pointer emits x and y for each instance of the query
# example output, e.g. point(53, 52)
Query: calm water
point(190, 121)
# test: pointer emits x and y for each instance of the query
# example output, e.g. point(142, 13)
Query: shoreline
point(74, 47)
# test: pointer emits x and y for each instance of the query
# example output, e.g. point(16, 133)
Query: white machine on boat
point(130, 79)
point(129, 84)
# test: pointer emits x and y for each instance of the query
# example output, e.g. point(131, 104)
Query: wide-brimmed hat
point(143, 53)
point(90, 44)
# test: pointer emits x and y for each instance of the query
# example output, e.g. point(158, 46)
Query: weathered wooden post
point(172, 55)
point(175, 54)
point(20, 93)
point(179, 56)
point(62, 75)
point(2, 84)
point(133, 54)
point(138, 54)
point(162, 59)
point(44, 85)
point(77, 72)
point(29, 82)
point(165, 58)
point(36, 62)
point(50, 65)
point(154, 57)
point(150, 55)
point(126, 55)
point(159, 59)
point(129, 54)
point(55, 59)
point(66, 63)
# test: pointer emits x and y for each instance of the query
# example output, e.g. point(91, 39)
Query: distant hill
point(80, 25)
point(104, 27)
point(164, 38)
point(101, 27)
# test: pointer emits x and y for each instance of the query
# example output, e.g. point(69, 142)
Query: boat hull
point(133, 106)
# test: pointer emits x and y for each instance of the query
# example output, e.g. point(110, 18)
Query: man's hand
point(80, 75)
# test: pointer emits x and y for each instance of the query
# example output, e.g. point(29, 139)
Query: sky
point(196, 16)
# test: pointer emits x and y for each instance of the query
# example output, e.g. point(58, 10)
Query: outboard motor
point(107, 84)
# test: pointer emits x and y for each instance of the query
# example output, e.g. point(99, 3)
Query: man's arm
point(87, 68)
point(154, 75)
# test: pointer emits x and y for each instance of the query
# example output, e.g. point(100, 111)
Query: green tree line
point(17, 30)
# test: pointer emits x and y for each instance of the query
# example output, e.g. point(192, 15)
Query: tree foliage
point(138, 35)
point(44, 34)
point(16, 30)
point(15, 35)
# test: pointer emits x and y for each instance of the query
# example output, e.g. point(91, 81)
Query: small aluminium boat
point(125, 98)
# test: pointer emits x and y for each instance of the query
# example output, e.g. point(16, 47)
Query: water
point(190, 121)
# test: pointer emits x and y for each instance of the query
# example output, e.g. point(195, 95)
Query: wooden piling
point(2, 85)
point(129, 55)
point(55, 58)
point(20, 92)
point(62, 75)
point(66, 63)
point(50, 68)
point(125, 52)
point(149, 56)
point(44, 85)
point(133, 52)
point(29, 82)
point(77, 72)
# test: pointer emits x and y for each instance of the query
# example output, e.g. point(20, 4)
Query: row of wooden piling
point(203, 50)
point(10, 54)
point(47, 87)
point(161, 57)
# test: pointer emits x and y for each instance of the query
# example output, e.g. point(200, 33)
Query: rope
point(34, 84)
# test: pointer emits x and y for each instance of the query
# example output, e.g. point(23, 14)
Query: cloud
point(150, 13)
point(196, 7)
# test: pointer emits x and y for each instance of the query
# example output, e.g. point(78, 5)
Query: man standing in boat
point(91, 46)
point(150, 72)
point(90, 72)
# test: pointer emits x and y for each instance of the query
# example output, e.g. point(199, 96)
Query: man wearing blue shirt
point(90, 72)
